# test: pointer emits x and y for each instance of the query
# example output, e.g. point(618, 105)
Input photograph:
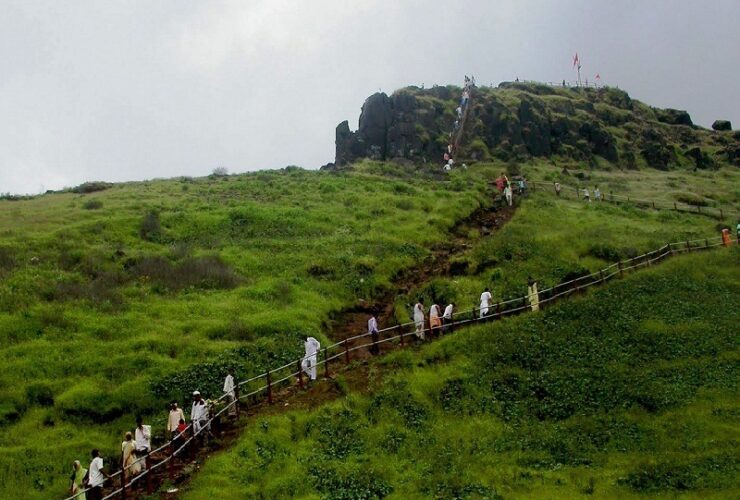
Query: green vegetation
point(629, 390)
point(113, 303)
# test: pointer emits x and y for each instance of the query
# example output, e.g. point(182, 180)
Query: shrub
point(207, 272)
point(40, 394)
point(91, 187)
point(150, 228)
point(92, 204)
point(220, 172)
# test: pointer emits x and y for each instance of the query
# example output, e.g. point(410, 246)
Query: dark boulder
point(722, 125)
point(673, 116)
point(701, 159)
point(375, 119)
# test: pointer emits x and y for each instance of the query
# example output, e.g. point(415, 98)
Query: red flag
point(598, 77)
point(576, 61)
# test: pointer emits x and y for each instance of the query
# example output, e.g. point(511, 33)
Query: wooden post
point(123, 482)
point(688, 245)
point(498, 309)
point(670, 248)
point(621, 271)
point(236, 398)
point(401, 328)
point(149, 485)
point(675, 207)
point(300, 375)
point(706, 243)
point(269, 386)
point(326, 362)
point(171, 463)
point(601, 274)
point(346, 351)
point(653, 205)
point(577, 195)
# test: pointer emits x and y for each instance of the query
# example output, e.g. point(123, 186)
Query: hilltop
point(519, 121)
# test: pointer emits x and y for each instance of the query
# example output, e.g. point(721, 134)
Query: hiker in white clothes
point(485, 300)
point(597, 193)
point(586, 195)
point(447, 316)
point(230, 391)
point(508, 195)
point(557, 188)
point(419, 318)
point(372, 329)
point(198, 413)
point(308, 364)
point(142, 441)
point(173, 419)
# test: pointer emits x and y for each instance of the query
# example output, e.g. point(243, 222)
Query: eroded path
point(362, 375)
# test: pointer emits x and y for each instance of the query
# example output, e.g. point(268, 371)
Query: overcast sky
point(126, 90)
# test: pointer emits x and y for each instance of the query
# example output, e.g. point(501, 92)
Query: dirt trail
point(360, 378)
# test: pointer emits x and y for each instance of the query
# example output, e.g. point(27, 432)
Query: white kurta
point(419, 319)
point(308, 364)
point(229, 386)
point(485, 299)
point(198, 413)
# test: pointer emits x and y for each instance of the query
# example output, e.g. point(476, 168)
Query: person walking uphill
point(96, 476)
point(77, 479)
point(419, 319)
point(173, 419)
point(142, 438)
point(372, 329)
point(230, 391)
point(435, 322)
point(308, 364)
point(198, 412)
point(485, 300)
point(533, 294)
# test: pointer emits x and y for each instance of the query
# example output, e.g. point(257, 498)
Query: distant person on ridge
point(173, 419)
point(586, 195)
point(198, 412)
point(372, 329)
point(447, 316)
point(230, 391)
point(533, 294)
point(77, 478)
point(96, 476)
point(435, 322)
point(597, 193)
point(557, 188)
point(419, 318)
point(485, 300)
point(312, 347)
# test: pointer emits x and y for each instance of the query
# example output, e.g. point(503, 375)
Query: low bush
point(150, 228)
point(91, 187)
point(92, 204)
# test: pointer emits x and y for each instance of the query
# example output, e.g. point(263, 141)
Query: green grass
point(110, 308)
point(630, 390)
point(101, 318)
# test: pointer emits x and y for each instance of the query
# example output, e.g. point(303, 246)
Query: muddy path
point(357, 376)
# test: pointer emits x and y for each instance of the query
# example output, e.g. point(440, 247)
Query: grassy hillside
point(113, 302)
point(631, 390)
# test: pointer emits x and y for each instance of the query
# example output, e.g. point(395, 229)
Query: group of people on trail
point(449, 161)
point(438, 320)
point(87, 484)
point(587, 194)
point(506, 188)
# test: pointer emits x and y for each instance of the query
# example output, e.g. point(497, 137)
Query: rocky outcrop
point(722, 125)
point(521, 120)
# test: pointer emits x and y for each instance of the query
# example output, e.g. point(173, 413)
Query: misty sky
point(126, 90)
